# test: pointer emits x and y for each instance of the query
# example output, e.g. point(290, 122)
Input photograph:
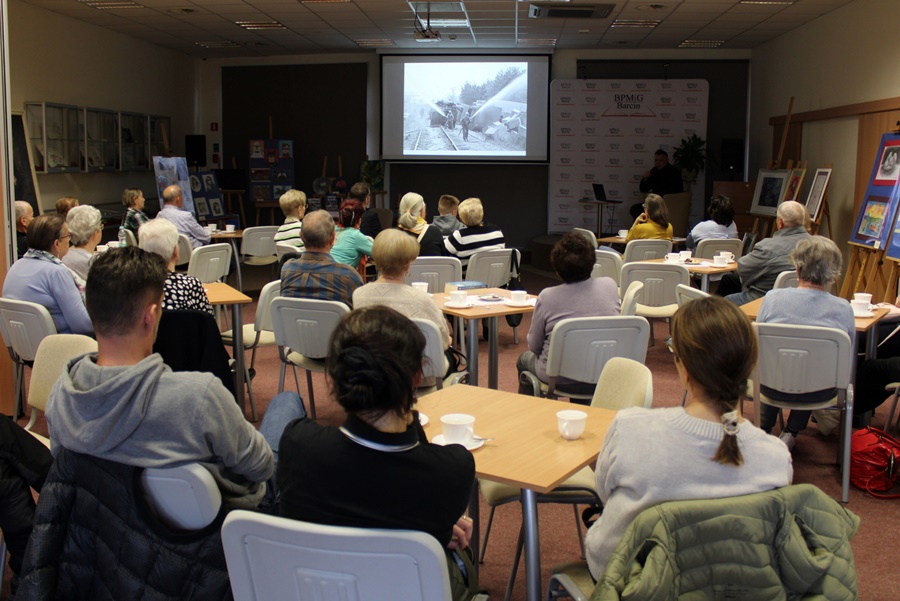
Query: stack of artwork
point(207, 198)
point(271, 169)
point(775, 186)
point(878, 210)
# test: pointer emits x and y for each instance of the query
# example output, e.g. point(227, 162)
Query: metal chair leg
point(487, 535)
point(312, 400)
point(578, 530)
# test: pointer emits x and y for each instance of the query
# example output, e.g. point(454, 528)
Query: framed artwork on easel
point(770, 186)
point(878, 208)
point(817, 193)
point(795, 180)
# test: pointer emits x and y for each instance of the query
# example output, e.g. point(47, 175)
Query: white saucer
point(471, 445)
point(464, 305)
point(511, 303)
point(861, 315)
point(673, 262)
point(423, 419)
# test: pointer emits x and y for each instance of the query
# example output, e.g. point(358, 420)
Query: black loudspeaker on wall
point(195, 150)
point(732, 156)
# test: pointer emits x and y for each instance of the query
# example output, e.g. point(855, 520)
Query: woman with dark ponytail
point(350, 244)
point(704, 450)
point(378, 469)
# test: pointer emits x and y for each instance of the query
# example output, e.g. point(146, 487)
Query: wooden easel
point(864, 270)
point(825, 212)
point(764, 225)
point(893, 279)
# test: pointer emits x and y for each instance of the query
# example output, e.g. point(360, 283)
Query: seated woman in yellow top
point(653, 223)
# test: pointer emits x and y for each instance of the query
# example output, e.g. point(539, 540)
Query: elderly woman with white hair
point(85, 230)
point(181, 291)
point(818, 261)
point(476, 236)
point(412, 221)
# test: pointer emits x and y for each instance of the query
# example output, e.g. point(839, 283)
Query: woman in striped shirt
point(476, 236)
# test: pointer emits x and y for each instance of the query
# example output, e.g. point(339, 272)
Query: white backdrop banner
point(605, 131)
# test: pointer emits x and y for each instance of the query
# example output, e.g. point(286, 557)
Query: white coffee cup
point(102, 248)
point(674, 257)
point(571, 423)
point(458, 428)
point(623, 233)
point(518, 296)
point(229, 227)
point(423, 286)
point(859, 306)
point(213, 227)
point(685, 255)
point(729, 256)
point(863, 296)
point(720, 261)
point(458, 297)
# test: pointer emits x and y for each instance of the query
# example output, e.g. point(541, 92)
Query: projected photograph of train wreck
point(465, 109)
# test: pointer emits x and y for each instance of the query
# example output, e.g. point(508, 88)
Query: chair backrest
point(588, 234)
point(210, 263)
point(800, 359)
point(624, 383)
point(184, 250)
point(490, 266)
point(23, 326)
point(305, 325)
point(283, 248)
point(678, 205)
point(685, 294)
point(646, 250)
point(190, 340)
point(184, 497)
point(660, 281)
point(433, 356)
point(130, 239)
point(275, 558)
point(581, 346)
point(748, 241)
point(53, 354)
point(609, 264)
point(710, 247)
point(263, 320)
point(787, 279)
point(385, 218)
point(259, 241)
point(437, 271)
point(631, 298)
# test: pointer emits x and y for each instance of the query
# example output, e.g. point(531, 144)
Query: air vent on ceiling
point(551, 10)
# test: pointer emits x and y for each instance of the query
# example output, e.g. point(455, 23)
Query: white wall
point(57, 59)
point(845, 57)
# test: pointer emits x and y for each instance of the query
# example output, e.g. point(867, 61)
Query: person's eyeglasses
point(66, 237)
point(671, 348)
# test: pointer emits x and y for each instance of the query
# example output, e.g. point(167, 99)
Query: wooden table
point(677, 241)
point(702, 267)
point(472, 315)
point(863, 324)
point(232, 238)
point(223, 294)
point(526, 451)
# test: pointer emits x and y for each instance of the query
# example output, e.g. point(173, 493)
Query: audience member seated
point(180, 291)
point(394, 251)
point(758, 269)
point(664, 178)
point(124, 405)
point(42, 278)
point(704, 450)
point(184, 221)
point(579, 295)
point(446, 220)
point(86, 229)
point(350, 244)
point(476, 236)
point(378, 469)
point(293, 204)
point(818, 261)
point(371, 223)
point(412, 221)
point(653, 223)
point(719, 225)
point(134, 218)
point(24, 463)
point(24, 215)
point(315, 274)
point(66, 204)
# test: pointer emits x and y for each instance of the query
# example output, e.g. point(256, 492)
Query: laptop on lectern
point(600, 194)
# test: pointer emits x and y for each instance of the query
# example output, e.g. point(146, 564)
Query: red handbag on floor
point(874, 461)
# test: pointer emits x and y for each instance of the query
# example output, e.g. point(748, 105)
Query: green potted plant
point(690, 157)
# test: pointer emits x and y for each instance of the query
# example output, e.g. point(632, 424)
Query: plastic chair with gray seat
point(434, 362)
point(685, 294)
point(302, 329)
point(710, 247)
point(607, 263)
point(437, 271)
point(493, 268)
point(184, 497)
point(52, 357)
point(23, 326)
point(588, 234)
point(787, 279)
point(646, 250)
point(258, 245)
point(210, 263)
point(631, 298)
point(283, 248)
point(275, 558)
point(660, 280)
point(185, 250)
point(130, 239)
point(623, 383)
point(798, 360)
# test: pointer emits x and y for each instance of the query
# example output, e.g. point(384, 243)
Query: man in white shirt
point(183, 220)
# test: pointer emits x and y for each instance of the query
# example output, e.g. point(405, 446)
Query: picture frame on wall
point(770, 187)
point(795, 180)
point(817, 193)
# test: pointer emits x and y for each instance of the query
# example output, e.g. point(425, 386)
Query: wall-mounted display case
point(134, 136)
point(101, 147)
point(56, 135)
point(160, 136)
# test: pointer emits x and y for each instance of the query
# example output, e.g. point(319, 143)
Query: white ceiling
point(320, 27)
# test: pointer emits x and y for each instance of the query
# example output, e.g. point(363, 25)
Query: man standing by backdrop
point(664, 178)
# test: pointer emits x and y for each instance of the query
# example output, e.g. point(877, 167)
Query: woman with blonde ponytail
point(704, 450)
point(412, 221)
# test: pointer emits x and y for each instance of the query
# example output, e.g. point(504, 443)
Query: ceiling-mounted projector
point(427, 35)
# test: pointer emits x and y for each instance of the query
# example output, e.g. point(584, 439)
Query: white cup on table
point(571, 423)
point(458, 428)
point(423, 286)
point(623, 233)
point(860, 307)
point(212, 228)
point(685, 255)
point(863, 296)
point(729, 256)
point(229, 228)
point(518, 296)
point(674, 257)
point(458, 297)
point(720, 261)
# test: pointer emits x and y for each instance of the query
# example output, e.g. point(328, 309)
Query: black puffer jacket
point(95, 538)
